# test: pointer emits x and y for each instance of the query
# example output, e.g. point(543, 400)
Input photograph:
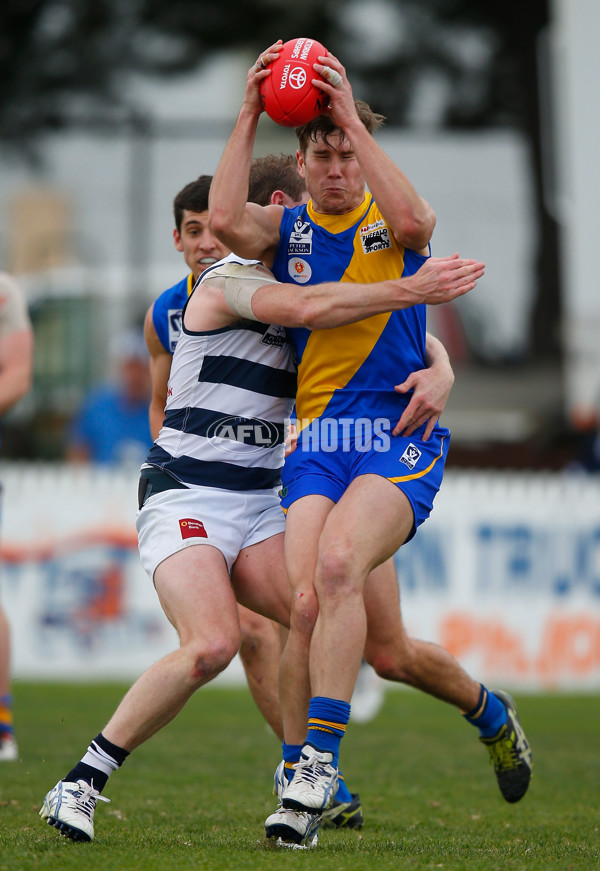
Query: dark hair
point(324, 125)
point(193, 198)
point(273, 173)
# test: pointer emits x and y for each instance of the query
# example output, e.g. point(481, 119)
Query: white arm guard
point(239, 282)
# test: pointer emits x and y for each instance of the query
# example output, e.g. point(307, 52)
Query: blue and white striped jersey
point(230, 392)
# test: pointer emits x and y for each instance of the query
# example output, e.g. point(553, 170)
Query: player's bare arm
point(251, 231)
point(411, 218)
point(160, 367)
point(333, 304)
point(431, 388)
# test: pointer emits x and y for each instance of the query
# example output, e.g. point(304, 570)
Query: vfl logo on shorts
point(411, 456)
point(190, 528)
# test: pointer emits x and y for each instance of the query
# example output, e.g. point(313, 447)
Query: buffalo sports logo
point(411, 456)
point(375, 237)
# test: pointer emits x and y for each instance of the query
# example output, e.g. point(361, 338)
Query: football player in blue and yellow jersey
point(367, 467)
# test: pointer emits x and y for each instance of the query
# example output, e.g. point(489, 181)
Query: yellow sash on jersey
point(332, 357)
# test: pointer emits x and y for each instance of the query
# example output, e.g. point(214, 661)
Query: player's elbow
point(415, 234)
point(219, 223)
point(416, 228)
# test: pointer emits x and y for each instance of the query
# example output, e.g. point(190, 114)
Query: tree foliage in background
point(481, 54)
point(459, 64)
point(65, 61)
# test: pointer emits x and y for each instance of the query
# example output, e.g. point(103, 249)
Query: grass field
point(196, 795)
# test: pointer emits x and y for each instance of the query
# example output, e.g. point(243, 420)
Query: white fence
point(506, 574)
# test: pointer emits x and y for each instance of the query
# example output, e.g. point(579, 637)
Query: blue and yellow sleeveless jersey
point(350, 371)
point(166, 312)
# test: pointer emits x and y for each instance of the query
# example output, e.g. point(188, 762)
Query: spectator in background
point(16, 368)
point(112, 425)
point(584, 420)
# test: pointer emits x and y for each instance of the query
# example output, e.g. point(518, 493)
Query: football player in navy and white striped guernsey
point(210, 525)
point(273, 179)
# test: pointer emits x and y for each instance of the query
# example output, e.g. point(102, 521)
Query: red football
point(288, 95)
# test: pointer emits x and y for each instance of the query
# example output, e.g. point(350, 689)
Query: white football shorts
point(226, 519)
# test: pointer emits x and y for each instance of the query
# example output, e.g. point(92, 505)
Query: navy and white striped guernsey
point(230, 392)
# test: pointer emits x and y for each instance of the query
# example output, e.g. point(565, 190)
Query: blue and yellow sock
point(489, 714)
point(327, 721)
point(6, 715)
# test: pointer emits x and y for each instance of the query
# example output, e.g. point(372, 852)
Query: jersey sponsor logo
point(299, 270)
point(228, 433)
point(374, 226)
point(174, 320)
point(300, 241)
point(191, 528)
point(274, 336)
point(411, 456)
point(375, 237)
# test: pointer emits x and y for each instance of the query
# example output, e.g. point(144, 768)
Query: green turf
point(196, 795)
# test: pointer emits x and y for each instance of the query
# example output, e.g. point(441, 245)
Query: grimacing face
point(333, 175)
point(198, 245)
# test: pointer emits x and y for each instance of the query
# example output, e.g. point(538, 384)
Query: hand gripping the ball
point(266, 57)
point(334, 84)
point(331, 76)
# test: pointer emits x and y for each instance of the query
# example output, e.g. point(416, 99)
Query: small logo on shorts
point(411, 456)
point(190, 528)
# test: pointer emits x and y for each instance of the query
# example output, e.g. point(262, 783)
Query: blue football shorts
point(415, 466)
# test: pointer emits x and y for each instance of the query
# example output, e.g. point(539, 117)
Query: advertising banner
point(505, 574)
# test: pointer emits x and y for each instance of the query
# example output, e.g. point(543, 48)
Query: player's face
point(200, 248)
point(333, 176)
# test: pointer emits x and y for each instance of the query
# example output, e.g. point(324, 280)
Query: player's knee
point(391, 663)
point(209, 658)
point(257, 636)
point(254, 627)
point(305, 609)
point(337, 571)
